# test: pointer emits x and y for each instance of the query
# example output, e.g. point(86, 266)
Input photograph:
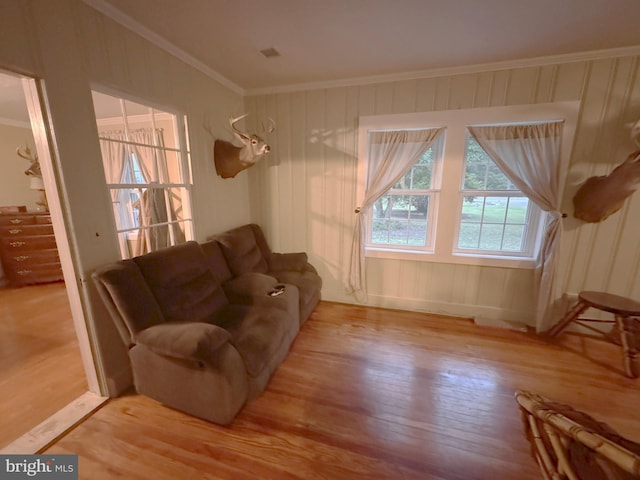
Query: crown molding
point(448, 71)
point(126, 21)
point(10, 122)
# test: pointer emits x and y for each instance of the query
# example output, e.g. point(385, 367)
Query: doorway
point(45, 358)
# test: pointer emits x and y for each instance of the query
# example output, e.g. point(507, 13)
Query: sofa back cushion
point(242, 251)
point(128, 298)
point(216, 261)
point(182, 283)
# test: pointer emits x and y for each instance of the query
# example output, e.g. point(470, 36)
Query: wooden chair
point(568, 444)
point(627, 322)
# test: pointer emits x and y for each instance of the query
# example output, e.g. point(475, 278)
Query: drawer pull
point(15, 231)
point(16, 221)
point(24, 272)
point(17, 244)
point(21, 258)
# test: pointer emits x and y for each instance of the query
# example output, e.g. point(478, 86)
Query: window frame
point(431, 193)
point(533, 225)
point(449, 196)
point(181, 150)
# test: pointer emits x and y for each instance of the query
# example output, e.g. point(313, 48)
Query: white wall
point(305, 194)
point(72, 48)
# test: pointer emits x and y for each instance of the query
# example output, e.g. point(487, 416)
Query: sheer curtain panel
point(529, 155)
point(391, 155)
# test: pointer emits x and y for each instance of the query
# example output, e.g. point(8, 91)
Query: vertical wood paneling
point(442, 97)
point(316, 194)
point(299, 183)
point(323, 150)
point(522, 86)
point(426, 97)
point(484, 86)
point(567, 84)
point(545, 84)
point(334, 174)
point(462, 91)
point(499, 88)
point(404, 96)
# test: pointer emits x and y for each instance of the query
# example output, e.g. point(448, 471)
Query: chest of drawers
point(28, 248)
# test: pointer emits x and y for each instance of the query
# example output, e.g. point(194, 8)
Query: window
point(495, 217)
point(455, 205)
point(147, 165)
point(403, 217)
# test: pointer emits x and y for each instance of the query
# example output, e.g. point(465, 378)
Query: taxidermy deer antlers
point(231, 160)
point(600, 197)
point(34, 168)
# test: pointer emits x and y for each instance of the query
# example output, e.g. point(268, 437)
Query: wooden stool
point(626, 312)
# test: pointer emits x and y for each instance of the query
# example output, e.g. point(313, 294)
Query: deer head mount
point(34, 168)
point(600, 197)
point(231, 160)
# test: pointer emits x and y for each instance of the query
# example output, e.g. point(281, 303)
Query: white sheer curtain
point(529, 155)
point(152, 205)
point(153, 202)
point(114, 157)
point(391, 155)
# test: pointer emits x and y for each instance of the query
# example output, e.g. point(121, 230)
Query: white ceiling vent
point(270, 52)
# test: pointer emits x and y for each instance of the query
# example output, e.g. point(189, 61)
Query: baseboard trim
point(43, 435)
point(483, 315)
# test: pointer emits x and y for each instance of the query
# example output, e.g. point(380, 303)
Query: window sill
point(457, 259)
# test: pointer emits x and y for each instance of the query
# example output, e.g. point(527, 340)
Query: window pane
point(481, 173)
point(400, 220)
point(513, 238)
point(518, 210)
point(493, 223)
point(491, 236)
point(171, 164)
point(419, 177)
point(469, 235)
point(126, 207)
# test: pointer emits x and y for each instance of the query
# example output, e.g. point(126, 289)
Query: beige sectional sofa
point(207, 324)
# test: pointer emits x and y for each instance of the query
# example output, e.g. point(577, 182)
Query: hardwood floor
point(40, 365)
point(370, 394)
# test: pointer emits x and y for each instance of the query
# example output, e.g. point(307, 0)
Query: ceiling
point(333, 40)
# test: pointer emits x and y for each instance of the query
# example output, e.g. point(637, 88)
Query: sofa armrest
point(195, 341)
point(279, 262)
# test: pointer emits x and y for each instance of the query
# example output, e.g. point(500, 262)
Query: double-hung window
point(147, 166)
point(455, 205)
point(496, 218)
point(403, 218)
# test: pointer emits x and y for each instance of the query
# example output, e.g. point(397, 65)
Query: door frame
point(44, 137)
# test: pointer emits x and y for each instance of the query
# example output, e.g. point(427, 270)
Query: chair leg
point(569, 317)
point(628, 345)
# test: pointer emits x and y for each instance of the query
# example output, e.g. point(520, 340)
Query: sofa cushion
point(194, 341)
point(241, 250)
point(182, 283)
point(308, 283)
point(126, 290)
point(251, 284)
point(216, 261)
point(256, 332)
point(288, 261)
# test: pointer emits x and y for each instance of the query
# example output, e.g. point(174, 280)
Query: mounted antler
point(34, 168)
point(231, 160)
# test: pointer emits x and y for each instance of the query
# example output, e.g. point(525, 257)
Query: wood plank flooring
point(41, 369)
point(370, 394)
